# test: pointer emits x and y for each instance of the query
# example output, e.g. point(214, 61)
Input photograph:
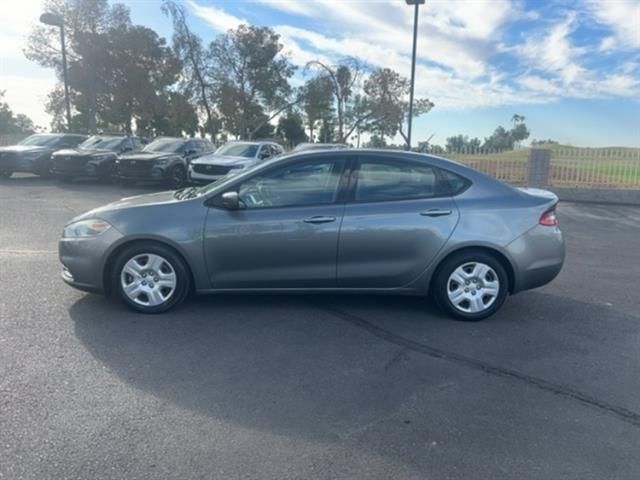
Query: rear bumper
point(537, 256)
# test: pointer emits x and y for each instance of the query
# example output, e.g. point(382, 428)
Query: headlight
point(162, 161)
point(91, 227)
point(100, 158)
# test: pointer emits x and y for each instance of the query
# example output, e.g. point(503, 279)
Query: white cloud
point(290, 6)
point(25, 84)
point(622, 16)
point(220, 20)
point(454, 47)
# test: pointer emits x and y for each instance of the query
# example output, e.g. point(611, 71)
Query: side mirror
point(230, 200)
point(127, 149)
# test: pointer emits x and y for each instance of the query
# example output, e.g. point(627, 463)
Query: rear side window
point(453, 184)
point(388, 180)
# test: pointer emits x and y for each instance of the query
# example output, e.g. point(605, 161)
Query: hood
point(148, 200)
point(228, 160)
point(25, 149)
point(148, 156)
point(77, 152)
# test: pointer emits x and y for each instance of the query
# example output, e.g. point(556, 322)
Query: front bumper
point(17, 163)
point(87, 168)
point(537, 256)
point(154, 173)
point(200, 178)
point(83, 260)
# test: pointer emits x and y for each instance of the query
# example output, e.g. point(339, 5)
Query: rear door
point(398, 217)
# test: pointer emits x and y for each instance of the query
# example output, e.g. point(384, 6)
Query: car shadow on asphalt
point(289, 365)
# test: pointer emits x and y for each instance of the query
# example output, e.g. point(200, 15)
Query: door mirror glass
point(230, 200)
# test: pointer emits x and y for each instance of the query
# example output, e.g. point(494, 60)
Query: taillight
point(549, 218)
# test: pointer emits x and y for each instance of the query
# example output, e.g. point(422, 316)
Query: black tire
point(182, 274)
point(5, 174)
point(441, 285)
point(177, 178)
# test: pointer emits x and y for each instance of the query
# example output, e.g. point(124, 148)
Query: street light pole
point(57, 21)
point(416, 4)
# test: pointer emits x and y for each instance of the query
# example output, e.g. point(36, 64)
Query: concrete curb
point(598, 195)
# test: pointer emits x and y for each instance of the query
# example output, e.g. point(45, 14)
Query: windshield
point(41, 140)
point(102, 143)
point(169, 145)
point(247, 150)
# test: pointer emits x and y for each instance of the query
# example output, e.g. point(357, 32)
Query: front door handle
point(435, 212)
point(320, 219)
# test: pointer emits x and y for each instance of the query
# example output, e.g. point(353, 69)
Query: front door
point(394, 225)
point(285, 233)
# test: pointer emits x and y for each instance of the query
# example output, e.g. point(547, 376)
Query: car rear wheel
point(150, 278)
point(471, 286)
point(177, 178)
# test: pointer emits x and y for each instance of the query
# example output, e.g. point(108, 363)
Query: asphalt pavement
point(305, 387)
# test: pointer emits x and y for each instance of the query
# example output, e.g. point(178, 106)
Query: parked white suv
point(231, 156)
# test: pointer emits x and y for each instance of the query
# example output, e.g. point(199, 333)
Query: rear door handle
point(320, 219)
point(435, 212)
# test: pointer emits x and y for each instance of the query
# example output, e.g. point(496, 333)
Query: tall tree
point(318, 101)
point(291, 129)
point(251, 78)
point(387, 91)
point(343, 78)
point(85, 21)
point(12, 123)
point(189, 49)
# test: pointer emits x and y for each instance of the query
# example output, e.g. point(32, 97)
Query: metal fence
point(11, 138)
point(594, 168)
point(617, 168)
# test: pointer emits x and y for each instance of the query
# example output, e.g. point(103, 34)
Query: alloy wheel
point(148, 279)
point(473, 287)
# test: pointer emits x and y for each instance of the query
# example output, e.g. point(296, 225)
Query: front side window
point(300, 184)
point(388, 180)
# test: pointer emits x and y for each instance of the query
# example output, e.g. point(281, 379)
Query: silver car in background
point(232, 156)
point(367, 221)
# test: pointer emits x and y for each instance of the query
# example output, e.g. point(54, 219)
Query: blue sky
point(572, 68)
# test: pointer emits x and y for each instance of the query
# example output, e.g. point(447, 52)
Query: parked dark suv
point(164, 160)
point(95, 157)
point(33, 154)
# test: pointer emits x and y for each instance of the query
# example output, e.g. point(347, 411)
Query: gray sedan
point(365, 221)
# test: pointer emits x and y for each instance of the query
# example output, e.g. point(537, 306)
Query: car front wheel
point(471, 286)
point(150, 278)
point(177, 178)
